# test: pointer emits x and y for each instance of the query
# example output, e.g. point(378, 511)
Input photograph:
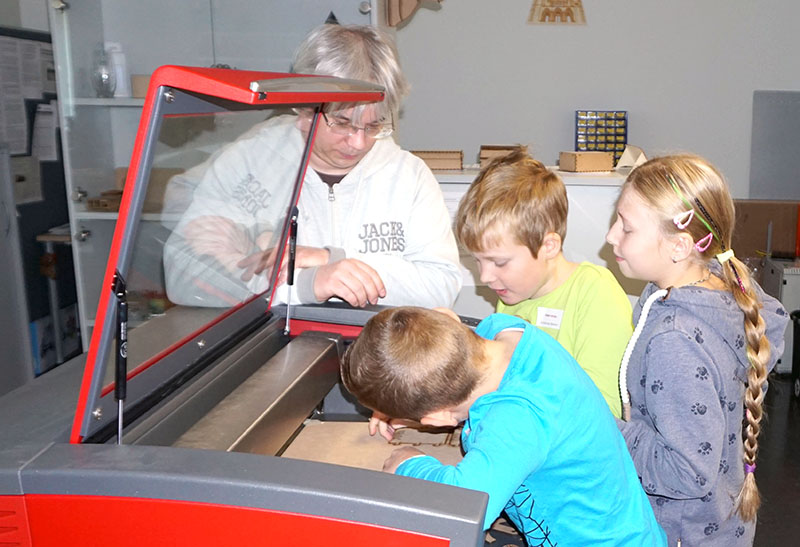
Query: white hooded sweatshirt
point(388, 212)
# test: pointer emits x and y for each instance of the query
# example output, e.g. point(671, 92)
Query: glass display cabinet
point(188, 407)
point(98, 132)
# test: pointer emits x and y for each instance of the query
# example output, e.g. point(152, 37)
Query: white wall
point(685, 71)
point(27, 14)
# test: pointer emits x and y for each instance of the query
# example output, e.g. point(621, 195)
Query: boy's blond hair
point(409, 362)
point(515, 195)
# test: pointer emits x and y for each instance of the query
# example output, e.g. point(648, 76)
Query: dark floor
point(778, 468)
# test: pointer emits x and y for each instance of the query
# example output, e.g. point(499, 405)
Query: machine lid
point(215, 175)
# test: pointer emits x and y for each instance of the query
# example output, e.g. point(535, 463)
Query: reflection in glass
point(217, 197)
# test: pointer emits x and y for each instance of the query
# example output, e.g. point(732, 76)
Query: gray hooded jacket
point(686, 379)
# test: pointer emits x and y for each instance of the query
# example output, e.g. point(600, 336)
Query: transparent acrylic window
point(219, 191)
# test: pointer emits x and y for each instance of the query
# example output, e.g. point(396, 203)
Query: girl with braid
point(694, 374)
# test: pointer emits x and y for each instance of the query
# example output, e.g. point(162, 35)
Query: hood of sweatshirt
point(722, 314)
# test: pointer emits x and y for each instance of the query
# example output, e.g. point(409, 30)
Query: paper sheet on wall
point(13, 124)
point(44, 133)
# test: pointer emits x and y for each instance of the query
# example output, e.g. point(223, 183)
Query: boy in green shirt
point(513, 219)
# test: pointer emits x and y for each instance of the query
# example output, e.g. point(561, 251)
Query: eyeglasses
point(347, 129)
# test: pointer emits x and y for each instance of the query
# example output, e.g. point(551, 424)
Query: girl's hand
point(399, 455)
point(626, 412)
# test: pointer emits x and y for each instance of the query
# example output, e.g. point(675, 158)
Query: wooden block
point(582, 162)
point(441, 160)
point(488, 152)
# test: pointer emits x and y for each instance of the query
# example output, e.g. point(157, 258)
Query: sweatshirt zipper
point(332, 203)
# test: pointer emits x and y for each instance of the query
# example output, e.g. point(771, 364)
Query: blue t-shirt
point(545, 447)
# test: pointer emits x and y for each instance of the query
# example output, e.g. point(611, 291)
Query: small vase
point(103, 79)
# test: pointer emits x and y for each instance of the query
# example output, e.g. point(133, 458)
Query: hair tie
point(726, 256)
point(749, 468)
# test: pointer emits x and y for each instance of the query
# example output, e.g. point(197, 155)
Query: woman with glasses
point(372, 225)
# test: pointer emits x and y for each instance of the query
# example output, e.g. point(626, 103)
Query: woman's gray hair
point(357, 52)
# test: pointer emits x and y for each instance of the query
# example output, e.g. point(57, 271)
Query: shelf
point(121, 101)
point(604, 178)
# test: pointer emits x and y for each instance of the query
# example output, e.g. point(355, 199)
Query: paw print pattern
point(704, 448)
point(699, 408)
point(635, 444)
point(668, 320)
point(642, 410)
point(781, 312)
point(699, 479)
point(725, 403)
point(739, 343)
point(711, 528)
point(732, 438)
point(707, 497)
point(698, 335)
point(650, 488)
point(726, 299)
point(643, 381)
point(702, 373)
point(661, 502)
point(657, 386)
point(739, 532)
point(723, 466)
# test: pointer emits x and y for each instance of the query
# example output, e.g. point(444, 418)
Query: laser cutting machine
point(171, 431)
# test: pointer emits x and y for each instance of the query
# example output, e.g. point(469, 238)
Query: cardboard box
point(139, 84)
point(441, 160)
point(582, 162)
point(751, 231)
point(489, 152)
point(156, 186)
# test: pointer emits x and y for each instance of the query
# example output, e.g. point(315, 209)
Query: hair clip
point(682, 220)
point(704, 243)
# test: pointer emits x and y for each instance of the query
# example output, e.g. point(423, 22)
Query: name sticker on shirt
point(549, 318)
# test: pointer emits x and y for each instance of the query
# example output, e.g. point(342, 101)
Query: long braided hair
point(673, 185)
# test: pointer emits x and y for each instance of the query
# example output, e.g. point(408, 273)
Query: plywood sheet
point(349, 443)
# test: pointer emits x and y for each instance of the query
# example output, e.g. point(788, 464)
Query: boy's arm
point(681, 458)
point(512, 443)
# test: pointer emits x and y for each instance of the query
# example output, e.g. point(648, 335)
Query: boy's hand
point(383, 424)
point(399, 455)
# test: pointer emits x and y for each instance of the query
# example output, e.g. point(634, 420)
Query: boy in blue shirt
point(538, 436)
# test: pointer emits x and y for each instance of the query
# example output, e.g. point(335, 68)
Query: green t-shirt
point(590, 315)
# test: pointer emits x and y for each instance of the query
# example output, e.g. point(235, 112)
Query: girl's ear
point(551, 245)
point(682, 246)
point(440, 418)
